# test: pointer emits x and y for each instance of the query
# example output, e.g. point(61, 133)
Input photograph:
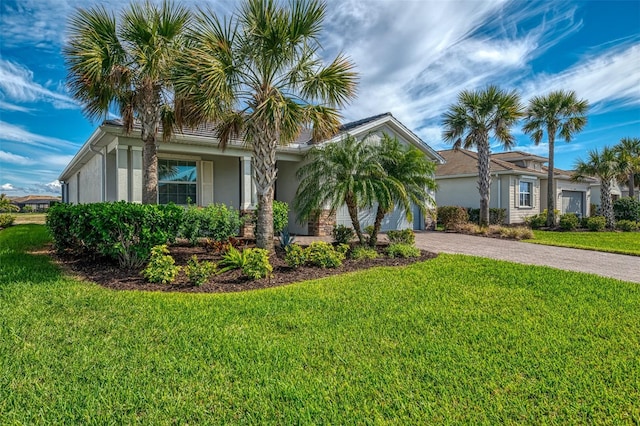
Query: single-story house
point(518, 184)
point(618, 190)
point(108, 167)
point(35, 202)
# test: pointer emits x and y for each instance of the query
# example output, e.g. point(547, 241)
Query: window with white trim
point(526, 193)
point(177, 181)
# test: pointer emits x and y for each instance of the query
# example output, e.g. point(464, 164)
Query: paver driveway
point(618, 266)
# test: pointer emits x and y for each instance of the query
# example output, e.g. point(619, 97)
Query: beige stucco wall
point(226, 180)
point(88, 188)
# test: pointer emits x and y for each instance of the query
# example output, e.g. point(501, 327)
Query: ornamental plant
point(161, 267)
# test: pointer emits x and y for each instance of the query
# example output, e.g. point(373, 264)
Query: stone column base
point(322, 224)
point(247, 229)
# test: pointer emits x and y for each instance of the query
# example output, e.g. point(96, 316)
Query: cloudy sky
point(413, 57)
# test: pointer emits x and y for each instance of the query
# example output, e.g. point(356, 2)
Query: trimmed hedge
point(452, 216)
point(496, 216)
point(122, 231)
point(216, 221)
point(626, 208)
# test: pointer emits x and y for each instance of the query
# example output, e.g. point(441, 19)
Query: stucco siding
point(286, 187)
point(226, 180)
point(458, 192)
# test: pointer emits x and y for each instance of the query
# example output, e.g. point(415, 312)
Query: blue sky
point(414, 57)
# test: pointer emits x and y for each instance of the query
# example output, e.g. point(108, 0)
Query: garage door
point(572, 202)
point(394, 220)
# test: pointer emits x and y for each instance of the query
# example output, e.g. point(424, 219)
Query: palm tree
point(470, 121)
point(408, 179)
point(259, 76)
point(128, 66)
point(628, 151)
point(559, 113)
point(344, 172)
point(605, 166)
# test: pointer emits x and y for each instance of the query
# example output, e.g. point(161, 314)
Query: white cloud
point(11, 132)
point(609, 77)
point(8, 157)
point(8, 187)
point(16, 83)
point(11, 107)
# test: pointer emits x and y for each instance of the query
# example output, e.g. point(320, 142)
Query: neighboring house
point(108, 167)
point(35, 202)
point(617, 191)
point(518, 184)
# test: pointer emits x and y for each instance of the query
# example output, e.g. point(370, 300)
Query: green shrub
point(295, 256)
point(6, 219)
point(199, 273)
point(627, 225)
point(323, 255)
point(219, 222)
point(452, 216)
point(596, 223)
point(536, 221)
point(402, 250)
point(256, 264)
point(27, 209)
point(342, 234)
point(405, 236)
point(122, 231)
point(584, 221)
point(626, 208)
point(161, 267)
point(191, 221)
point(361, 253)
point(232, 259)
point(569, 222)
point(496, 216)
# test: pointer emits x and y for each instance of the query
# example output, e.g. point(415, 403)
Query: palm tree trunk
point(352, 208)
point(150, 171)
point(607, 205)
point(551, 193)
point(632, 184)
point(150, 121)
point(484, 179)
point(373, 238)
point(264, 166)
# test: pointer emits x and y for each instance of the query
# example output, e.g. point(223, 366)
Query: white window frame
point(521, 193)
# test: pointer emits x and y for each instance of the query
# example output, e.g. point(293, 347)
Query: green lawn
point(612, 242)
point(453, 340)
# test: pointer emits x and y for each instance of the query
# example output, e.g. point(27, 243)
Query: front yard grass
point(456, 339)
point(612, 242)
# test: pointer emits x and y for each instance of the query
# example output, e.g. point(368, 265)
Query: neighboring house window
point(177, 181)
point(526, 194)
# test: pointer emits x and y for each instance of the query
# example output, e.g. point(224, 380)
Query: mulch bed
point(108, 274)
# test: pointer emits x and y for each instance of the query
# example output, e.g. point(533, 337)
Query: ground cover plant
point(612, 242)
point(456, 339)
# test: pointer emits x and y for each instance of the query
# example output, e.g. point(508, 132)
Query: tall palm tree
point(344, 172)
point(559, 113)
point(259, 76)
point(409, 177)
point(605, 166)
point(471, 121)
point(128, 66)
point(628, 151)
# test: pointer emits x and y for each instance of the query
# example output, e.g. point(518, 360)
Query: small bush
point(342, 234)
point(596, 223)
point(627, 225)
point(219, 222)
point(569, 222)
point(451, 217)
point(583, 221)
point(405, 236)
point(361, 253)
point(232, 259)
point(295, 256)
point(6, 219)
point(469, 228)
point(199, 273)
point(323, 255)
point(161, 267)
point(536, 221)
point(402, 250)
point(256, 264)
point(496, 216)
point(27, 209)
point(626, 208)
point(516, 233)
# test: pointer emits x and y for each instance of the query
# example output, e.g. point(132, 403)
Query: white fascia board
point(501, 173)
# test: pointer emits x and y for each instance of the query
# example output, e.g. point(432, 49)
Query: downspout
point(497, 176)
point(103, 176)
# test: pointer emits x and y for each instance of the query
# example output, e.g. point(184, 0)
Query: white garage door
point(394, 220)
point(572, 202)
